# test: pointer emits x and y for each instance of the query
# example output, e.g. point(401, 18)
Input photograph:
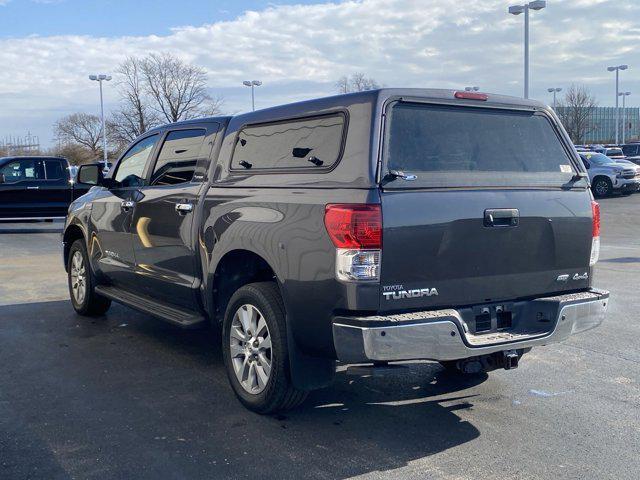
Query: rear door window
point(301, 144)
point(54, 169)
point(178, 157)
point(451, 146)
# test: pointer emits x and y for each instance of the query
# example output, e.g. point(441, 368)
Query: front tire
point(255, 352)
point(81, 281)
point(602, 187)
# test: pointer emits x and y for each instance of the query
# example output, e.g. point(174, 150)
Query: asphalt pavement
point(127, 396)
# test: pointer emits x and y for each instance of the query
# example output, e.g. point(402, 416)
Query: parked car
point(632, 152)
point(608, 175)
point(374, 227)
point(597, 148)
point(614, 153)
point(36, 188)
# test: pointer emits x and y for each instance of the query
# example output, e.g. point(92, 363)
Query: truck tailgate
point(438, 248)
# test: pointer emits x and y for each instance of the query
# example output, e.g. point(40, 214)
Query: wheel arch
point(601, 176)
point(235, 268)
point(239, 267)
point(72, 233)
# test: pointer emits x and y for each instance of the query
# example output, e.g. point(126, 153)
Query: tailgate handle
point(501, 217)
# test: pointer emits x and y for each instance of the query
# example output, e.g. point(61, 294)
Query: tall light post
point(471, 89)
point(554, 91)
point(617, 70)
point(102, 78)
point(517, 10)
point(252, 84)
point(624, 114)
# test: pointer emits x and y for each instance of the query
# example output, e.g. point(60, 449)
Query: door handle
point(501, 217)
point(33, 188)
point(127, 205)
point(184, 208)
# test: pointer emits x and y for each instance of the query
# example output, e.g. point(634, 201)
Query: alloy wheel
point(250, 347)
point(78, 277)
point(602, 188)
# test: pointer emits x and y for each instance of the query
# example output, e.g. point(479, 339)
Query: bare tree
point(134, 116)
point(575, 112)
point(80, 129)
point(342, 85)
point(357, 82)
point(76, 154)
point(158, 89)
point(177, 90)
point(213, 107)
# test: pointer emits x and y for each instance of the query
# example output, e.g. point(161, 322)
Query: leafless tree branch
point(575, 112)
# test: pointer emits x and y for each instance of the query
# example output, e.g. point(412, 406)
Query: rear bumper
point(443, 334)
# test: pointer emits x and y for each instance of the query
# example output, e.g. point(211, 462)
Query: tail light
point(595, 233)
point(356, 232)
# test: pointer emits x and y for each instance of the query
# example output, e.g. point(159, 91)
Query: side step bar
point(177, 316)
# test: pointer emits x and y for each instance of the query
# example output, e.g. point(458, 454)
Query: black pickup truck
point(382, 226)
point(36, 188)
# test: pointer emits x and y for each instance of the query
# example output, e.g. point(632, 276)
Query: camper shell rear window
point(459, 146)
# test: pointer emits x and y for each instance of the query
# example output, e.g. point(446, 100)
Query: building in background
point(602, 124)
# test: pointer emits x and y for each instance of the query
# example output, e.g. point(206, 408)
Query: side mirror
point(586, 165)
point(1, 177)
point(90, 174)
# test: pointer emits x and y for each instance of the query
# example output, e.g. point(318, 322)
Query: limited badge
point(565, 168)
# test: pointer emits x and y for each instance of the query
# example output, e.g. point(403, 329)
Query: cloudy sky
point(299, 48)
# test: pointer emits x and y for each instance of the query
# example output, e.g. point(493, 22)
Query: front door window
point(130, 170)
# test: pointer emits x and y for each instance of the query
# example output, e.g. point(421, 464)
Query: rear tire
point(82, 283)
point(255, 351)
point(602, 187)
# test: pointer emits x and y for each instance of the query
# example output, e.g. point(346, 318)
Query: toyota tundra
point(381, 226)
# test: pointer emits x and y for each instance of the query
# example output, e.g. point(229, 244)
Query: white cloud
point(299, 50)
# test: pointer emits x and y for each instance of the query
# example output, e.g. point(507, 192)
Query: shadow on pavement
point(622, 260)
point(126, 396)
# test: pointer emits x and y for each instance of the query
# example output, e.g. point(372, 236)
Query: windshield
point(615, 152)
point(465, 146)
point(598, 159)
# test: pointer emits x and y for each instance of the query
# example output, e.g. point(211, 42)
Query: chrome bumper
point(443, 334)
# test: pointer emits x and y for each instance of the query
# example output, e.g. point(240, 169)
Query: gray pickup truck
point(375, 227)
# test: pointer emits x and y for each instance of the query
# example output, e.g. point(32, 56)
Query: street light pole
point(252, 84)
point(624, 95)
point(102, 78)
point(617, 70)
point(517, 10)
point(554, 91)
